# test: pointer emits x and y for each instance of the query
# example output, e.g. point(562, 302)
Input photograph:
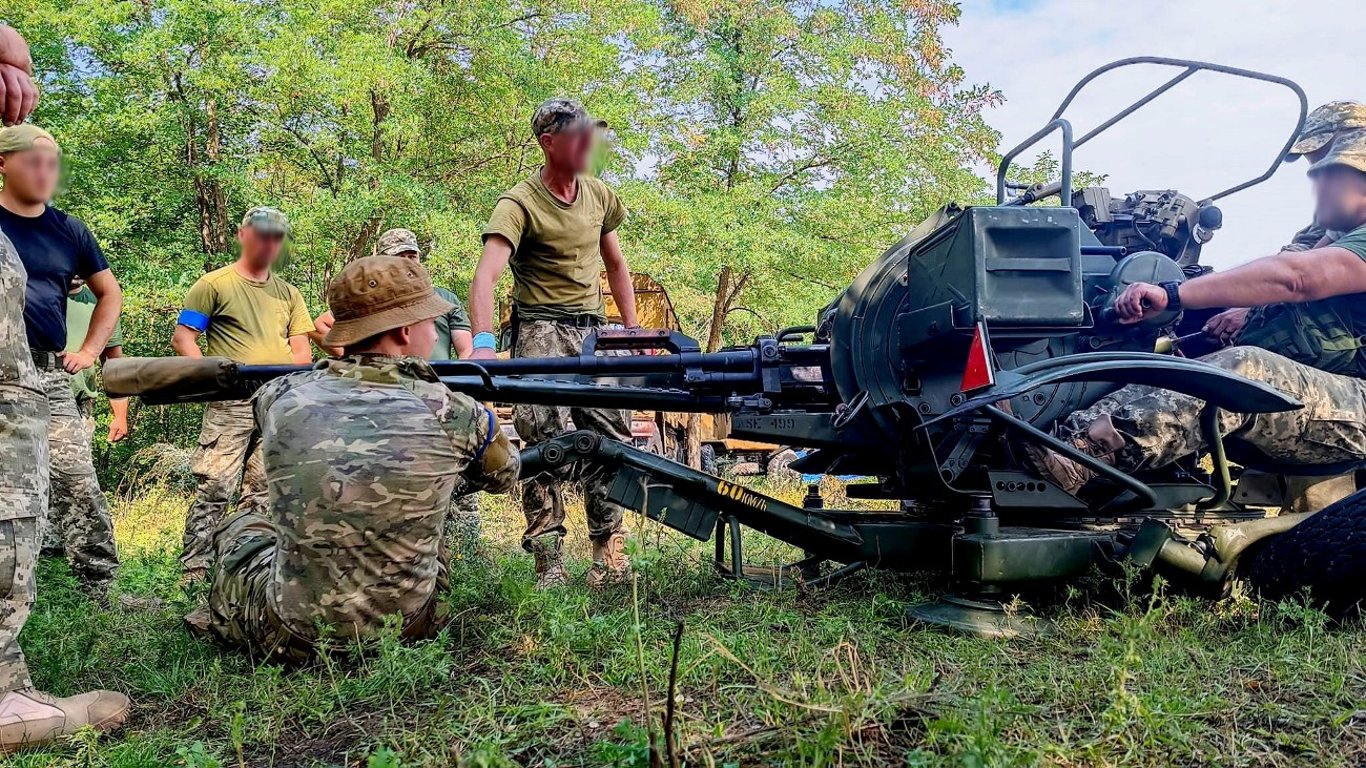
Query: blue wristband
point(485, 340)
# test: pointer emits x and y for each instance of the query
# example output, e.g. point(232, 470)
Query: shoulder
point(215, 278)
point(446, 294)
point(521, 193)
point(1354, 241)
point(68, 223)
point(293, 386)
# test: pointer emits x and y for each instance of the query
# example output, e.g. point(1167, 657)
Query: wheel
point(709, 459)
point(1324, 556)
point(778, 466)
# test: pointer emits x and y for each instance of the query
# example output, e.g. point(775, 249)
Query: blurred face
point(260, 249)
point(569, 150)
point(31, 176)
point(1340, 198)
point(421, 339)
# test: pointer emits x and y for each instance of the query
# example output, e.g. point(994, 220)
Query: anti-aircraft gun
point(957, 346)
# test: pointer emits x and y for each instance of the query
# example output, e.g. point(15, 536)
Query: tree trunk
point(210, 199)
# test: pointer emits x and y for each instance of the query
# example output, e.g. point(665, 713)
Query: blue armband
point(194, 320)
point(485, 340)
point(488, 439)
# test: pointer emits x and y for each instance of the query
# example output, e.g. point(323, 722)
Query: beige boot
point(1100, 440)
point(610, 563)
point(29, 717)
point(550, 572)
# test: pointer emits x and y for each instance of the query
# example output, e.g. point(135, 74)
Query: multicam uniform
point(251, 323)
point(362, 456)
point(24, 481)
point(1311, 351)
point(557, 294)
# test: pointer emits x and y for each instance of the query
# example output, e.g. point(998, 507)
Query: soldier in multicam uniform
point(453, 341)
point(1315, 138)
point(1306, 339)
point(362, 455)
point(55, 247)
point(27, 716)
point(557, 229)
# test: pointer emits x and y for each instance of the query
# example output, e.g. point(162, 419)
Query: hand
point(1226, 325)
point(75, 362)
point(18, 95)
point(481, 353)
point(324, 323)
point(118, 430)
point(1140, 301)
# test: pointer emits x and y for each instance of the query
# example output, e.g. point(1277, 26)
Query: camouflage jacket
point(362, 456)
point(23, 405)
point(1308, 238)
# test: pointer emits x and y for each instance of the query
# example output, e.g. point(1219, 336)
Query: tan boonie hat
point(1348, 149)
point(379, 294)
point(17, 138)
point(1323, 123)
point(561, 115)
point(267, 220)
point(396, 242)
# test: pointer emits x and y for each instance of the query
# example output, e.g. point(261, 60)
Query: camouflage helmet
point(1323, 123)
point(1348, 149)
point(267, 220)
point(396, 242)
point(559, 115)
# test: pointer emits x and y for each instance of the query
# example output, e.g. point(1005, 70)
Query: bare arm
point(299, 349)
point(497, 251)
point(108, 304)
point(1286, 277)
point(118, 406)
point(185, 342)
point(463, 341)
point(321, 327)
point(619, 279)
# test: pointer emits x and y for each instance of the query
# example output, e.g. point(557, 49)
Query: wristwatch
point(1173, 290)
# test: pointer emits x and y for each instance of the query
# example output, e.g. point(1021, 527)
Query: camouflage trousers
point(542, 496)
point(78, 519)
point(23, 502)
point(1160, 426)
point(241, 608)
point(228, 459)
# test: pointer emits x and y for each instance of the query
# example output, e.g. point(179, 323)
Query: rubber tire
point(709, 459)
point(1324, 557)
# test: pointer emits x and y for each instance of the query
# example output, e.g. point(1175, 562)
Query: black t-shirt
point(53, 247)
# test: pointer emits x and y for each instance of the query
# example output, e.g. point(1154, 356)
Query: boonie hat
point(17, 138)
point(560, 115)
point(267, 220)
point(398, 241)
point(1348, 149)
point(379, 294)
point(1323, 123)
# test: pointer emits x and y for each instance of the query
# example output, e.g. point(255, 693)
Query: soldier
point(557, 229)
point(362, 455)
point(55, 247)
point(80, 304)
point(453, 341)
point(1306, 341)
point(1313, 143)
point(247, 314)
point(27, 716)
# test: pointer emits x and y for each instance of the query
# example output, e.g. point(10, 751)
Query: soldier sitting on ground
point(362, 456)
point(1305, 340)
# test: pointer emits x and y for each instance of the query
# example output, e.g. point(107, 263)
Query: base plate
point(979, 618)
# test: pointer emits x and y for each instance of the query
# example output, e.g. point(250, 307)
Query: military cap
point(1323, 123)
point(266, 220)
point(397, 242)
point(561, 115)
point(17, 138)
point(379, 294)
point(1348, 149)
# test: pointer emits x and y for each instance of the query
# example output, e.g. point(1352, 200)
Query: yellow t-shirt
point(556, 257)
point(243, 320)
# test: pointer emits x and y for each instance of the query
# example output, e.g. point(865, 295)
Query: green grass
point(837, 678)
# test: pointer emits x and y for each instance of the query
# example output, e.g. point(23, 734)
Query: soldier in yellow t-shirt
point(247, 314)
point(558, 231)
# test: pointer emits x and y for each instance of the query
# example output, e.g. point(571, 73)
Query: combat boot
point(29, 717)
point(610, 563)
point(1100, 440)
point(550, 572)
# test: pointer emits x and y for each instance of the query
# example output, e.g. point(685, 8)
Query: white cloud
point(1208, 133)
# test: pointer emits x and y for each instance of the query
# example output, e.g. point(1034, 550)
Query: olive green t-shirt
point(80, 308)
point(556, 257)
point(243, 320)
point(455, 320)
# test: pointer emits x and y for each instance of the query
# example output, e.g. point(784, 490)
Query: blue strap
point(488, 439)
point(194, 320)
point(485, 340)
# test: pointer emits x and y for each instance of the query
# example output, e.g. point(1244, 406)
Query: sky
point(1208, 133)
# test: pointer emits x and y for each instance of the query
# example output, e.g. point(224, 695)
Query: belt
point(47, 361)
point(576, 321)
